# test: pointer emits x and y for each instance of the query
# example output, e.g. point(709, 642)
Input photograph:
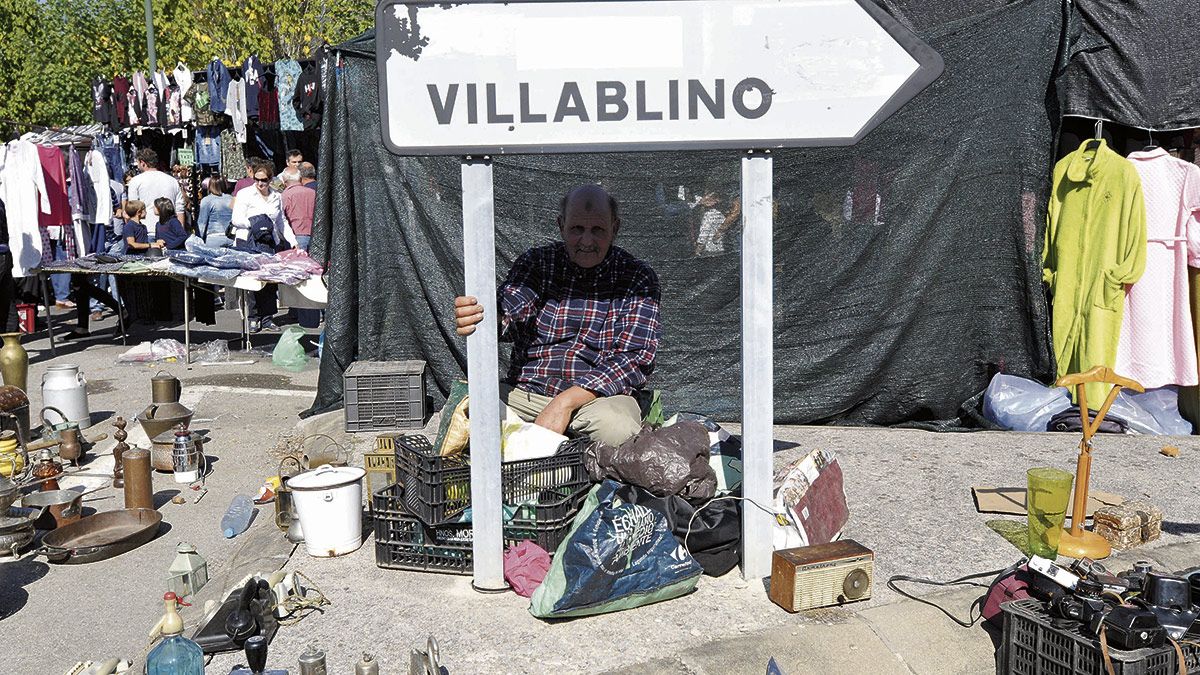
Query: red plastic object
point(27, 317)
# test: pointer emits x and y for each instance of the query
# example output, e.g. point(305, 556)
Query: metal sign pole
point(758, 411)
point(483, 374)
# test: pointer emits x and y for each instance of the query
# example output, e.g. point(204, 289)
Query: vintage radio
point(822, 575)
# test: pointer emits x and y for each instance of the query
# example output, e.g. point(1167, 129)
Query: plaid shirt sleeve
point(627, 364)
point(517, 298)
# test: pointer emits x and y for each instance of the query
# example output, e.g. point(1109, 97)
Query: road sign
point(609, 75)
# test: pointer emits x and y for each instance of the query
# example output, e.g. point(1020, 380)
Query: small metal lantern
point(188, 572)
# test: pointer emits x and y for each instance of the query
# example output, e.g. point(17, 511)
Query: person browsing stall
point(260, 200)
point(259, 225)
point(170, 230)
point(299, 203)
point(137, 240)
point(582, 315)
point(151, 184)
point(216, 211)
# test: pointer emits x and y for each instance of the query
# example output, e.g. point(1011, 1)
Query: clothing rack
point(38, 127)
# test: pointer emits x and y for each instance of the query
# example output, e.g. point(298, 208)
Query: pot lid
point(325, 477)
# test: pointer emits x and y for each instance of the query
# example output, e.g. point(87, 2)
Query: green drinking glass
point(1046, 499)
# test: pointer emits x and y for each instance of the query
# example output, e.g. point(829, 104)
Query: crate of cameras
point(1037, 642)
point(437, 489)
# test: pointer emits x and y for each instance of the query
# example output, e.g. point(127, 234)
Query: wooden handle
point(1099, 374)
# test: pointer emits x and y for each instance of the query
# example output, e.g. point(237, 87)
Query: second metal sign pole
point(758, 390)
point(483, 374)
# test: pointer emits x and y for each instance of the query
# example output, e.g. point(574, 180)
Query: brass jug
point(165, 388)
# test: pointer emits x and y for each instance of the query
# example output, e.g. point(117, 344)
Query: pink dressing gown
point(1157, 347)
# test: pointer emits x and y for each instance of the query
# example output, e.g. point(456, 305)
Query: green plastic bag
point(289, 353)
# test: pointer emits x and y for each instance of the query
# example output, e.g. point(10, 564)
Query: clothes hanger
point(1150, 145)
point(1098, 132)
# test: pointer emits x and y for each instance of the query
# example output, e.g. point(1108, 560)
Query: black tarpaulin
point(1136, 62)
point(906, 266)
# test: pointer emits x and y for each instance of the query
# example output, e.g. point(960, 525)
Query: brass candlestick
point(119, 452)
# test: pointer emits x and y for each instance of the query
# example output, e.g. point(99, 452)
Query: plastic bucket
point(329, 502)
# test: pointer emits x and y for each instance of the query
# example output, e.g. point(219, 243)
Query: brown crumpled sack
point(668, 461)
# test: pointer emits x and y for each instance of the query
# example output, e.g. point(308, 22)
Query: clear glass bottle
point(175, 655)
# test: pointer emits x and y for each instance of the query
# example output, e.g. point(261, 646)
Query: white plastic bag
point(1155, 412)
point(1021, 404)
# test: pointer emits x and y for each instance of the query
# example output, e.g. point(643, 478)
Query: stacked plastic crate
point(422, 522)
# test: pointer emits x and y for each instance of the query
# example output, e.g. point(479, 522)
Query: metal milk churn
point(65, 388)
point(185, 458)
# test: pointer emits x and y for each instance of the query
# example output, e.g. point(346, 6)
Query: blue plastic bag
point(617, 556)
point(1021, 404)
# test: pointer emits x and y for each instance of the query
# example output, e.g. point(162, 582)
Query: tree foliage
point(51, 49)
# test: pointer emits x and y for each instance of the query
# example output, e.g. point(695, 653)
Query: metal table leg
point(187, 319)
point(245, 320)
point(44, 280)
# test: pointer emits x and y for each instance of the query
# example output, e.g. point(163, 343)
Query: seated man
point(583, 318)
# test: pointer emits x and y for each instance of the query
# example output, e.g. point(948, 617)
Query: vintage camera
point(1085, 606)
point(1132, 628)
point(1136, 577)
point(1086, 568)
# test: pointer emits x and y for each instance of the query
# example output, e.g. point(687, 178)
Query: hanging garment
point(183, 79)
point(109, 145)
point(268, 107)
point(163, 85)
point(218, 85)
point(287, 75)
point(54, 174)
point(97, 173)
point(174, 107)
point(307, 99)
point(1157, 346)
point(235, 107)
point(233, 160)
point(135, 106)
point(208, 145)
point(102, 107)
point(81, 192)
point(23, 187)
point(120, 97)
point(1095, 245)
point(140, 84)
point(252, 75)
point(152, 107)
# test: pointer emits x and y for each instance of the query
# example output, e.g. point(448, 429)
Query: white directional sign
point(531, 77)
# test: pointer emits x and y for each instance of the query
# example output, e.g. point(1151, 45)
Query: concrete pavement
point(908, 493)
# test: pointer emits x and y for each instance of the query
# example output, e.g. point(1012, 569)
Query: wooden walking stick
point(1077, 542)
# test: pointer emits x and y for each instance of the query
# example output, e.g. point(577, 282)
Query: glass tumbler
point(1046, 499)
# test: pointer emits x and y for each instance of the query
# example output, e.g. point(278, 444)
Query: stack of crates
point(418, 520)
point(384, 395)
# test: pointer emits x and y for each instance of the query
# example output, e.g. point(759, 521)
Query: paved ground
point(908, 492)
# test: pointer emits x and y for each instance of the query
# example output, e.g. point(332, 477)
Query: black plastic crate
point(1033, 645)
point(402, 541)
point(438, 489)
point(384, 395)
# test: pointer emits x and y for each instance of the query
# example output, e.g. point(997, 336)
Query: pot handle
point(54, 554)
point(324, 468)
point(42, 414)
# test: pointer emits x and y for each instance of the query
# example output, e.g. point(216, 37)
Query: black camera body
point(1132, 628)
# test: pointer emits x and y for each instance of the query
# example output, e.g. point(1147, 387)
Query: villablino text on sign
point(611, 101)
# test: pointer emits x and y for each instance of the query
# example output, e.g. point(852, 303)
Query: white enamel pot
point(329, 502)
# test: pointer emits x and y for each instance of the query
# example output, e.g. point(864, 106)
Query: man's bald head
point(588, 222)
point(590, 198)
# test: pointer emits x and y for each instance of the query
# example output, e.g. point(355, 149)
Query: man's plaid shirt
point(596, 328)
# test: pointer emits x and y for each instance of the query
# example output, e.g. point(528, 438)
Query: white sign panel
point(554, 76)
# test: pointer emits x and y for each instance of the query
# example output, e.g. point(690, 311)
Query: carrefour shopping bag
point(617, 556)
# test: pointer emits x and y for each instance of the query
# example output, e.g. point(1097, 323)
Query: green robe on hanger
point(1095, 248)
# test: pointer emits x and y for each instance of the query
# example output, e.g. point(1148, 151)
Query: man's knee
point(612, 420)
